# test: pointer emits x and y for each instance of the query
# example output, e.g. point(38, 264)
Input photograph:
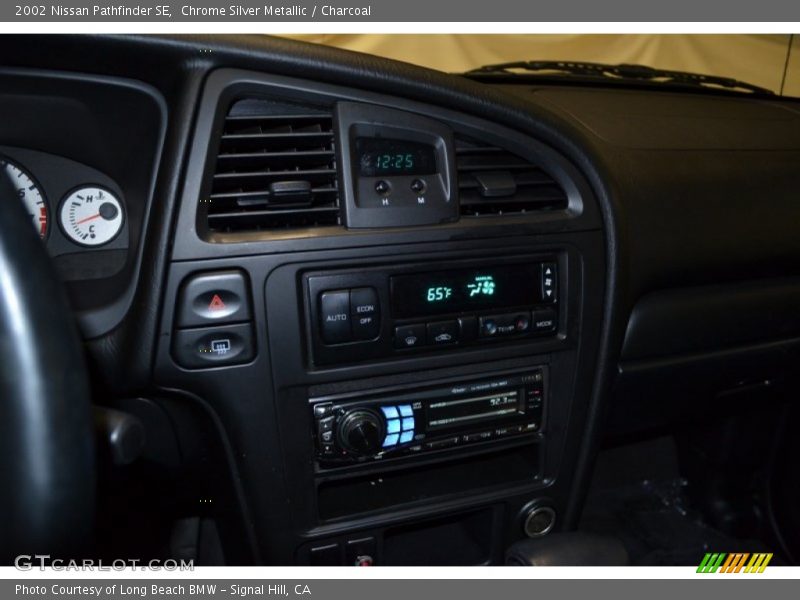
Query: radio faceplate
point(352, 431)
point(394, 310)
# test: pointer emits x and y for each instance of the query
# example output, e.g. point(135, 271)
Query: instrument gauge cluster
point(29, 193)
point(78, 211)
point(91, 216)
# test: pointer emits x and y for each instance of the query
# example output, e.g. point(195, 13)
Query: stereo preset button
point(443, 332)
point(405, 410)
point(478, 437)
point(409, 336)
point(365, 313)
point(390, 412)
point(445, 443)
point(510, 430)
point(335, 316)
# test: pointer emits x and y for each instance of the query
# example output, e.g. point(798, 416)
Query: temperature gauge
point(91, 216)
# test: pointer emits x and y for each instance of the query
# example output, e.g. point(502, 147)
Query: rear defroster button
point(213, 346)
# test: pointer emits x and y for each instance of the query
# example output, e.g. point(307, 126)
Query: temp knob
point(361, 431)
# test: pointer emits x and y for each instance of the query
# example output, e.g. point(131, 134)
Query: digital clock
point(384, 156)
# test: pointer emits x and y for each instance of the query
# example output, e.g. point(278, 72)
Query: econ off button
point(365, 315)
point(213, 298)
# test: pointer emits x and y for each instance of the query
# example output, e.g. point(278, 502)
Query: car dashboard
point(373, 314)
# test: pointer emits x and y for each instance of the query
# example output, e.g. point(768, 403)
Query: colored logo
point(738, 562)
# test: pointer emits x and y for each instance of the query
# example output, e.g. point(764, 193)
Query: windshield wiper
point(620, 73)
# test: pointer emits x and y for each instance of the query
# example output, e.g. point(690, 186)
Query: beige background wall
point(757, 59)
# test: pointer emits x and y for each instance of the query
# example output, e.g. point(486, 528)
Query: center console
point(413, 333)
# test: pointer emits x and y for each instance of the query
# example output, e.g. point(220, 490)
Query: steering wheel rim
point(47, 475)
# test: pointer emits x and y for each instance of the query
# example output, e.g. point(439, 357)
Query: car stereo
point(350, 430)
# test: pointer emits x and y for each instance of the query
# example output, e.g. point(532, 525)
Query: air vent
point(493, 181)
point(275, 170)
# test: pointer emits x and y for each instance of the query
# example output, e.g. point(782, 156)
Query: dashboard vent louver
point(494, 181)
point(275, 169)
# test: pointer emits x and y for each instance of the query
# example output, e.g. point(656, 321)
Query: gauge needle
point(92, 218)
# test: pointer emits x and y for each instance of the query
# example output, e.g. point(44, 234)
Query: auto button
point(335, 316)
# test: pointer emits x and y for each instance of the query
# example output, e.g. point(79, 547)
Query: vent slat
point(266, 118)
point(276, 169)
point(526, 188)
point(245, 195)
point(317, 154)
point(288, 135)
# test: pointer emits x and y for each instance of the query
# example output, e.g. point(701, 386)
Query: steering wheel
point(46, 441)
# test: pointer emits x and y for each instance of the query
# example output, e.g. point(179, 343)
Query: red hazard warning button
point(215, 297)
point(216, 303)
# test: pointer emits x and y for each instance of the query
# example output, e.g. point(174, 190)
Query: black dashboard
point(370, 310)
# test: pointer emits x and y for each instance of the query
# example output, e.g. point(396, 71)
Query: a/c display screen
point(463, 290)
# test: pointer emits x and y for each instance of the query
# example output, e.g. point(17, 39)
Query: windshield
point(770, 61)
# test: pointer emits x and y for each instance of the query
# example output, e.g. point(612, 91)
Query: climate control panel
point(384, 311)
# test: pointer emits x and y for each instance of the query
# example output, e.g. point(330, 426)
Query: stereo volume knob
point(361, 431)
